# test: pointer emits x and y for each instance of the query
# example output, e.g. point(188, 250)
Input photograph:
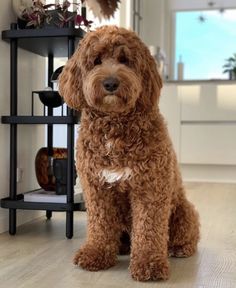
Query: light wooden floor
point(40, 256)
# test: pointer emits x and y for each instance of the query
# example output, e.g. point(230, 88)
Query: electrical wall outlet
point(19, 175)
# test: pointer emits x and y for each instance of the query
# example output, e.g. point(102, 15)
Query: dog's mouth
point(112, 103)
point(111, 99)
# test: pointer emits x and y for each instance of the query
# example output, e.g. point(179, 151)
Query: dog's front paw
point(94, 259)
point(144, 269)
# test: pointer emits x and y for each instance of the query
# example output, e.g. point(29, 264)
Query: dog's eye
point(98, 61)
point(123, 60)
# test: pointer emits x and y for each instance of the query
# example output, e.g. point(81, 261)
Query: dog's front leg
point(149, 249)
point(101, 248)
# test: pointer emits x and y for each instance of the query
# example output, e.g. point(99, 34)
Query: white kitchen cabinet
point(208, 102)
point(201, 117)
point(212, 144)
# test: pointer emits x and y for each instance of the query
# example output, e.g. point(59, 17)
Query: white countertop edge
point(200, 82)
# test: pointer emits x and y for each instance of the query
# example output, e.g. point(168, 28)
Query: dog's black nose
point(111, 84)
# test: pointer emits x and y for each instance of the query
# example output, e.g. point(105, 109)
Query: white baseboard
point(22, 218)
point(209, 173)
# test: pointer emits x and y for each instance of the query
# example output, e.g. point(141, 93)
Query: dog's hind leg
point(183, 229)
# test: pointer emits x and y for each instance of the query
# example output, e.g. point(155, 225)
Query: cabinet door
point(208, 102)
point(208, 144)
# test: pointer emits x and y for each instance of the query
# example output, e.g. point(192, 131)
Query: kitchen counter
point(199, 82)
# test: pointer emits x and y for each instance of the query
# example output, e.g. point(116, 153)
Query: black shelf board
point(19, 203)
point(45, 41)
point(40, 119)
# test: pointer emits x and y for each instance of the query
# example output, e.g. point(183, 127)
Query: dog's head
point(111, 71)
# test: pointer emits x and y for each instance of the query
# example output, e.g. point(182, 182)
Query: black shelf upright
point(13, 130)
point(50, 43)
point(50, 113)
point(70, 158)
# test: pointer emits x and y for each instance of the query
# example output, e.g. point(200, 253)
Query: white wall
point(125, 14)
point(156, 25)
point(152, 28)
point(30, 138)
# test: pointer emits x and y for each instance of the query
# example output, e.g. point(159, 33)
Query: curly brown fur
point(125, 158)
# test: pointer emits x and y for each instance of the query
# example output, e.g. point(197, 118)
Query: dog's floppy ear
point(155, 80)
point(70, 83)
point(152, 82)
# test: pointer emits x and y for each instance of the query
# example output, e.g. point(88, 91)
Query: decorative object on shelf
point(19, 6)
point(160, 57)
point(40, 15)
point(230, 67)
point(44, 167)
point(50, 197)
point(56, 73)
point(103, 8)
point(60, 173)
point(180, 69)
point(50, 98)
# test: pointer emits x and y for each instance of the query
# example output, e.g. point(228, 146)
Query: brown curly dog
point(125, 158)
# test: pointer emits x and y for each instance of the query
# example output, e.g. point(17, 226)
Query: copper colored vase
point(44, 167)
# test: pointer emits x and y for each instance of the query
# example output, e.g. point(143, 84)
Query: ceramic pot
point(44, 167)
point(60, 173)
point(232, 75)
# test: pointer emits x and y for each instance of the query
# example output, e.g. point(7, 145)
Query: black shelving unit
point(47, 42)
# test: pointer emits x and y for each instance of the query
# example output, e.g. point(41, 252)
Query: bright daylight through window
point(205, 40)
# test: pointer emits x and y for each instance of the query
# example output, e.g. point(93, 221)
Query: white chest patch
point(112, 176)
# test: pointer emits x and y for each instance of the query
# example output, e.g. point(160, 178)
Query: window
point(204, 40)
